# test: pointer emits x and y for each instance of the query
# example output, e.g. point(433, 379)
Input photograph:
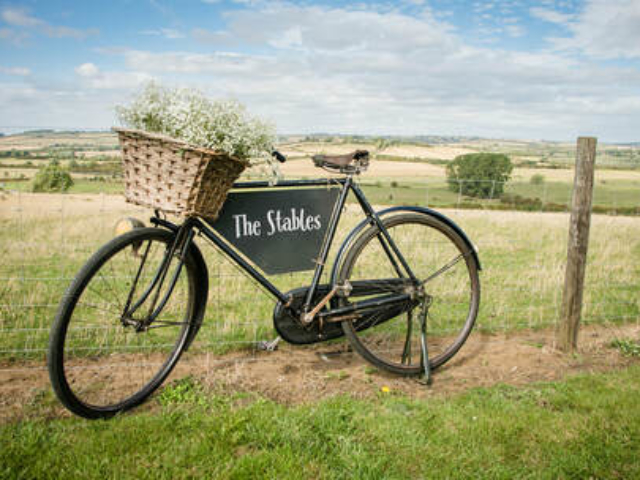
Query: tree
point(537, 179)
point(480, 175)
point(52, 178)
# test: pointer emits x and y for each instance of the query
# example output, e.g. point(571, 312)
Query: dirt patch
point(293, 375)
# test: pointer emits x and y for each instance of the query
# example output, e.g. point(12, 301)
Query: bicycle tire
point(98, 366)
point(428, 244)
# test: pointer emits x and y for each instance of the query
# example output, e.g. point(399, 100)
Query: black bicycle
point(140, 300)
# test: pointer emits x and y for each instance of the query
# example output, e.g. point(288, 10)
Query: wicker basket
point(169, 175)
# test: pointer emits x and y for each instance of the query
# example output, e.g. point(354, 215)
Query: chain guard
point(287, 324)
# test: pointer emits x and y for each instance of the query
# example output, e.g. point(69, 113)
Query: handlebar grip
point(278, 156)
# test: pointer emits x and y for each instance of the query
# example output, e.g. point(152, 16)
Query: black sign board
point(279, 230)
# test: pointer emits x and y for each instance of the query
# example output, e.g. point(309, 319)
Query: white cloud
point(168, 33)
point(291, 38)
point(550, 15)
point(21, 19)
point(332, 69)
point(87, 70)
point(13, 36)
point(195, 63)
point(92, 77)
point(364, 71)
point(606, 29)
point(57, 106)
point(514, 30)
point(461, 90)
point(332, 29)
point(17, 71)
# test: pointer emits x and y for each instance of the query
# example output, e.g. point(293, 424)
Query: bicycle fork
point(178, 249)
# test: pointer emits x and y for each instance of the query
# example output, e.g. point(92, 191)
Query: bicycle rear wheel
point(439, 257)
point(101, 361)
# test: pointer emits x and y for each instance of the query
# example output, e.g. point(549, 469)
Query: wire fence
point(46, 238)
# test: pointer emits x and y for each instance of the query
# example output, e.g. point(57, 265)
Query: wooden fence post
point(567, 333)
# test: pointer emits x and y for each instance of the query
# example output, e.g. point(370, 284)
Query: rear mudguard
point(344, 248)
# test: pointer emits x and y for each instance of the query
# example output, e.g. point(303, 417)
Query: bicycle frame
point(185, 234)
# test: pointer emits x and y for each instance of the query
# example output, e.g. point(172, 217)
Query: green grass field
point(609, 196)
point(522, 253)
point(551, 195)
point(81, 185)
point(584, 427)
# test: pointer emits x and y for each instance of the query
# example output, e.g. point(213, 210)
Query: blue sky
point(552, 69)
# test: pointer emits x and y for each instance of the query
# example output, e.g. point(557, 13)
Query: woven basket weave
point(169, 175)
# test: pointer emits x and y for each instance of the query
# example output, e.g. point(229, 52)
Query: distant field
point(438, 152)
point(43, 140)
point(403, 189)
point(412, 181)
point(435, 148)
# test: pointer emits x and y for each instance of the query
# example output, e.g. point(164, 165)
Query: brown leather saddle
point(350, 163)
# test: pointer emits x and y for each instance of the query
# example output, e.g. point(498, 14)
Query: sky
point(552, 69)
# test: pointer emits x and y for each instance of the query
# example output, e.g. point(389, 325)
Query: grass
point(552, 195)
point(523, 256)
point(80, 186)
point(47, 241)
point(613, 193)
point(585, 427)
point(627, 346)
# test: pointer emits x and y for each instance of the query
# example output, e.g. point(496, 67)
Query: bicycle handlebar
point(278, 156)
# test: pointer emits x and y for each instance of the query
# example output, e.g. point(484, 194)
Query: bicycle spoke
point(102, 309)
point(137, 277)
point(442, 270)
point(164, 324)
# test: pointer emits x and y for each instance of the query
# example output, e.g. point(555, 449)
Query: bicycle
point(399, 272)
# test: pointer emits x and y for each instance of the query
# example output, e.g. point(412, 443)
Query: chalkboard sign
point(279, 230)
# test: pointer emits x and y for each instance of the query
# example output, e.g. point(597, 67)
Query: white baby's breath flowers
point(187, 115)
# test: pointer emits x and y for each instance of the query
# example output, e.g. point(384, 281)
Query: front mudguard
point(344, 248)
point(202, 293)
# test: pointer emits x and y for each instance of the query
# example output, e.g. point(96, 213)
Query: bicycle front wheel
point(102, 361)
point(446, 267)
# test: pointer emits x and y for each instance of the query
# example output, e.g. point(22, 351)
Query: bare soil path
point(293, 375)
